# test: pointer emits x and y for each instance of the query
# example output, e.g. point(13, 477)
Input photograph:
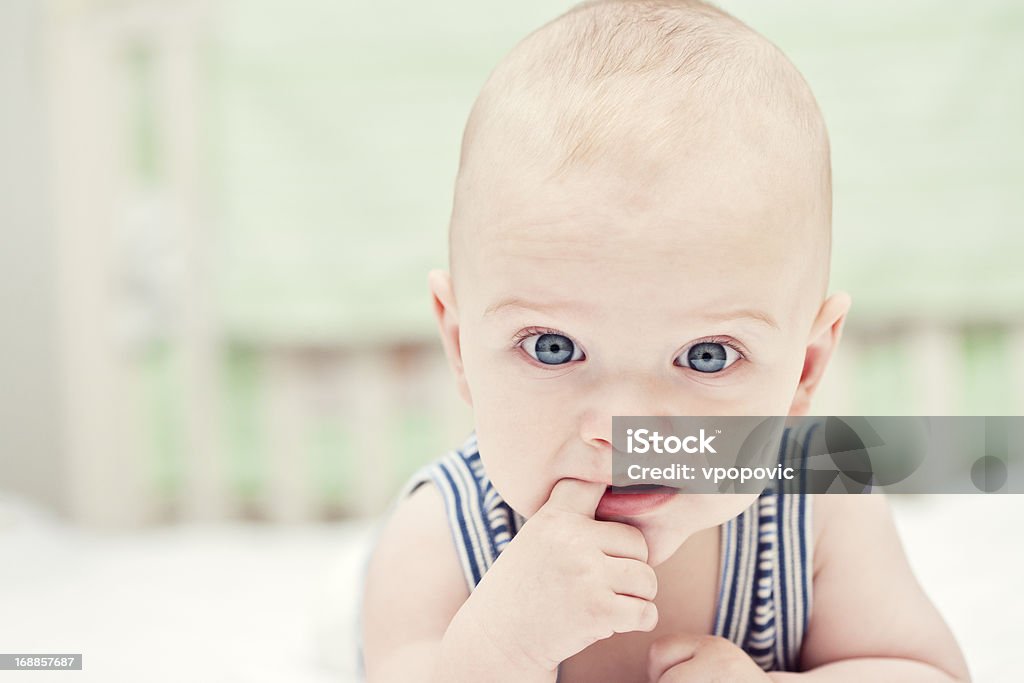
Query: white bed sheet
point(244, 602)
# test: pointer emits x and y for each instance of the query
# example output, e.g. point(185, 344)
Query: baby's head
point(641, 226)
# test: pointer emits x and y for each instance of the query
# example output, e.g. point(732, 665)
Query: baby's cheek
point(517, 457)
point(516, 481)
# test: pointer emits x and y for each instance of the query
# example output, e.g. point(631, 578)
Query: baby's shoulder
point(414, 572)
point(413, 586)
point(417, 527)
point(415, 518)
point(839, 519)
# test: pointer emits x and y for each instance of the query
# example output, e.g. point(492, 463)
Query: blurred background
point(219, 355)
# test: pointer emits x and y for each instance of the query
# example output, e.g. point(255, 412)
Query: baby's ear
point(443, 295)
point(822, 343)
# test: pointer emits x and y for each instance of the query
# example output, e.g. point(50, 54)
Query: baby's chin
point(662, 543)
point(663, 533)
point(667, 529)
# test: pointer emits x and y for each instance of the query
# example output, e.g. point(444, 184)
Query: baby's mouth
point(632, 501)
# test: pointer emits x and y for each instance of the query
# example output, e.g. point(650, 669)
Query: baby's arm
point(564, 581)
point(414, 587)
point(414, 591)
point(870, 619)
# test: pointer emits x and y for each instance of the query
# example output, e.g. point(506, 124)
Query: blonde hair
point(614, 75)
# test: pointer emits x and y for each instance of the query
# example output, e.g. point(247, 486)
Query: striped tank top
point(764, 599)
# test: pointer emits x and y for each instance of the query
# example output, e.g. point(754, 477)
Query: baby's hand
point(685, 658)
point(567, 580)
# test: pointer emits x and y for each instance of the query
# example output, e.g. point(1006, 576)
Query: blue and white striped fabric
point(765, 596)
point(482, 523)
point(767, 570)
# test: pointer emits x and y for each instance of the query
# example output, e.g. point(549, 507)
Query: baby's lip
point(640, 488)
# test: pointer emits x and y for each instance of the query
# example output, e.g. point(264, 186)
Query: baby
point(641, 226)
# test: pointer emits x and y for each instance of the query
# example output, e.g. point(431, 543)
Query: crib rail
point(297, 434)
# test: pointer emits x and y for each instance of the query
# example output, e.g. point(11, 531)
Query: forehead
point(697, 240)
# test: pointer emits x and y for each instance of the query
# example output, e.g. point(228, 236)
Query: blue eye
point(710, 357)
point(552, 349)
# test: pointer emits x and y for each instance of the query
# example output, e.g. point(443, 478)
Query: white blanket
point(243, 602)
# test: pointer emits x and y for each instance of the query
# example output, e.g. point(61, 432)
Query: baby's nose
point(635, 393)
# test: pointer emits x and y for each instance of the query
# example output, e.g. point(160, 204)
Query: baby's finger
point(622, 540)
point(633, 614)
point(576, 495)
point(632, 577)
point(707, 667)
point(668, 651)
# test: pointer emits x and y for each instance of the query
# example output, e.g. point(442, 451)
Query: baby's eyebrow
point(515, 302)
point(709, 316)
point(743, 314)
